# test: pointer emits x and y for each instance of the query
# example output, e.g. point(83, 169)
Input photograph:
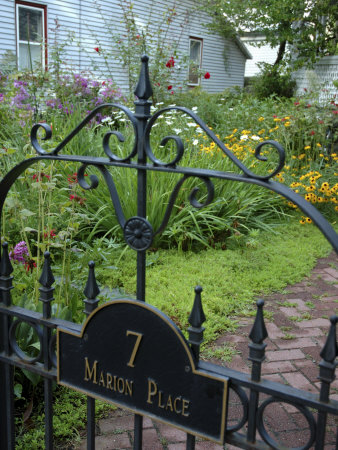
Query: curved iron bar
point(192, 199)
point(308, 209)
point(211, 134)
point(16, 347)
point(111, 187)
point(241, 394)
point(304, 411)
point(85, 121)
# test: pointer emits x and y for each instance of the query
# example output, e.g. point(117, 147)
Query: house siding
point(91, 26)
point(264, 53)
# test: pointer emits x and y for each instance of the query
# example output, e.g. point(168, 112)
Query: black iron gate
point(187, 393)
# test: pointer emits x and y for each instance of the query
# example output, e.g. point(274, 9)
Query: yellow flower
point(307, 147)
point(302, 221)
point(287, 118)
point(318, 144)
point(261, 119)
point(277, 119)
point(287, 124)
point(308, 220)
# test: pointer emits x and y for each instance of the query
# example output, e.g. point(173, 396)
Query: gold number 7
point(136, 346)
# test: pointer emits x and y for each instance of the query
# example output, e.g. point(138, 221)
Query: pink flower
point(97, 49)
point(207, 75)
point(335, 112)
point(296, 103)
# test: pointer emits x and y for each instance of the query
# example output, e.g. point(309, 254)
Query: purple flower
point(1, 97)
point(19, 252)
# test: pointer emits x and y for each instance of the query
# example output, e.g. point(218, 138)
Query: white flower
point(191, 124)
point(194, 108)
point(195, 142)
point(255, 138)
point(244, 137)
point(177, 130)
point(105, 119)
point(169, 122)
point(199, 130)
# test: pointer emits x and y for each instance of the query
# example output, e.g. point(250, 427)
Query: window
point(195, 54)
point(31, 38)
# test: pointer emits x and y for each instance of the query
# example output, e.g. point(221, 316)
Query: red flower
point(97, 49)
point(39, 176)
point(50, 233)
point(29, 265)
point(296, 103)
point(335, 112)
point(207, 75)
point(169, 87)
point(312, 133)
point(305, 90)
point(320, 121)
point(170, 62)
point(308, 105)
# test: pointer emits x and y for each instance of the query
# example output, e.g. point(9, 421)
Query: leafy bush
point(272, 80)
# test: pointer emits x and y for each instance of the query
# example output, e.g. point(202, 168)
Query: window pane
point(195, 61)
point(195, 51)
point(30, 25)
point(28, 53)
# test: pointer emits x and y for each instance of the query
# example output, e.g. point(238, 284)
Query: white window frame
point(42, 44)
point(200, 41)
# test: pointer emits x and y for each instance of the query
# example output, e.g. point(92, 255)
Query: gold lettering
point(109, 380)
point(115, 383)
point(102, 380)
point(120, 385)
point(185, 405)
point(89, 373)
point(136, 346)
point(152, 390)
point(169, 404)
point(177, 399)
point(160, 399)
point(129, 388)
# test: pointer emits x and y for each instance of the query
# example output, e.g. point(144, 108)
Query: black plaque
point(131, 354)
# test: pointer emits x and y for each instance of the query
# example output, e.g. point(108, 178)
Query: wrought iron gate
point(210, 381)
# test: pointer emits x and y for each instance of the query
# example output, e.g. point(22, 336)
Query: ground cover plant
point(245, 235)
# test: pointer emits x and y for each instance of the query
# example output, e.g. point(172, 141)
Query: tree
point(308, 27)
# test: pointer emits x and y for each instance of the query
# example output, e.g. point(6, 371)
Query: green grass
point(232, 279)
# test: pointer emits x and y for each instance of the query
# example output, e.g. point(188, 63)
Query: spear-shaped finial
point(330, 350)
point(5, 276)
point(5, 265)
point(46, 290)
point(196, 319)
point(91, 290)
point(197, 316)
point(258, 332)
point(143, 89)
point(47, 277)
point(257, 347)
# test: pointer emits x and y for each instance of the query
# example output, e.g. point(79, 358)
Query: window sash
point(195, 55)
point(30, 42)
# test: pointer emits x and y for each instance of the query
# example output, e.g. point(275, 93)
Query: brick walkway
point(297, 329)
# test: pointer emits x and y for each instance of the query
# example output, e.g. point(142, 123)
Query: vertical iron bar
point(196, 331)
point(257, 356)
point(143, 92)
point(326, 375)
point(46, 297)
point(7, 430)
point(91, 291)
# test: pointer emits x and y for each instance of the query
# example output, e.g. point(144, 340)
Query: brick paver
point(296, 336)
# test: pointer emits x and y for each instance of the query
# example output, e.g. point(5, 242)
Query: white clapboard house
point(90, 23)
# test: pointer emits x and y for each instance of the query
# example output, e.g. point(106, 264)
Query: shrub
point(273, 81)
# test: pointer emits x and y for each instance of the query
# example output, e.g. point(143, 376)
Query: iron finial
point(330, 349)
point(5, 265)
point(197, 316)
point(258, 332)
point(91, 290)
point(143, 89)
point(47, 277)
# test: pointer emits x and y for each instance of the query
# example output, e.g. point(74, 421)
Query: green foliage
point(309, 28)
point(272, 80)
